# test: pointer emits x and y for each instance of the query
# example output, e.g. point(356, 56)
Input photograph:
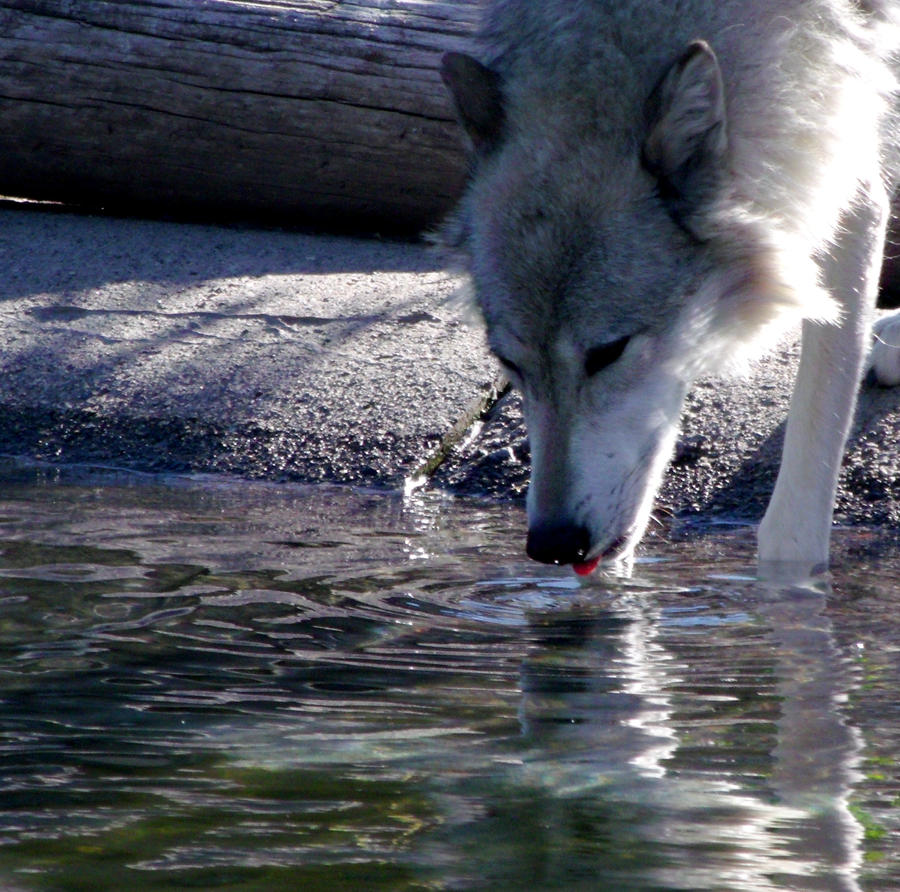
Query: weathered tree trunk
point(327, 111)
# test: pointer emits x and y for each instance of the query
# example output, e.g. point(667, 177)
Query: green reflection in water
point(216, 686)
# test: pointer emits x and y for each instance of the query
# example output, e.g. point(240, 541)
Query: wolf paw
point(884, 359)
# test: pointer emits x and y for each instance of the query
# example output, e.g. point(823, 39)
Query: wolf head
point(613, 262)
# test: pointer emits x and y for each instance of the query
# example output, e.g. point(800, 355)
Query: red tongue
point(587, 568)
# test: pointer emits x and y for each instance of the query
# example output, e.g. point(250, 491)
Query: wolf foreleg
point(796, 528)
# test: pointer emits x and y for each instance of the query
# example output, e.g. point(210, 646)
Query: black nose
point(559, 544)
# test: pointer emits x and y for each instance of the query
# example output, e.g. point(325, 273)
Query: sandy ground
point(280, 355)
point(264, 353)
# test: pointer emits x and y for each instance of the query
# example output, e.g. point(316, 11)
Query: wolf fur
point(658, 190)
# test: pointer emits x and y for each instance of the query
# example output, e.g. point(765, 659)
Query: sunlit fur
point(570, 242)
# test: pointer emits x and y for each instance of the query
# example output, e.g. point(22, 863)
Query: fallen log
point(324, 112)
point(329, 112)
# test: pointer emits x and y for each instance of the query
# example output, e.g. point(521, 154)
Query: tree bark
point(327, 112)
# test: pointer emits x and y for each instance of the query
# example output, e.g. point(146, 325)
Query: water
point(216, 685)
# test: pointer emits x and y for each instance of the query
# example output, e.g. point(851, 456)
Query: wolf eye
point(598, 358)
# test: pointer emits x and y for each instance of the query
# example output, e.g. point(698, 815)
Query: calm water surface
point(216, 685)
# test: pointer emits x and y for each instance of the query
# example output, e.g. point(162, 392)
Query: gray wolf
point(659, 188)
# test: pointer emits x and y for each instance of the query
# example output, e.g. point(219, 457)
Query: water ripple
point(204, 683)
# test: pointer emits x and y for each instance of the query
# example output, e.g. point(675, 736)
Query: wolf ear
point(687, 141)
point(477, 96)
